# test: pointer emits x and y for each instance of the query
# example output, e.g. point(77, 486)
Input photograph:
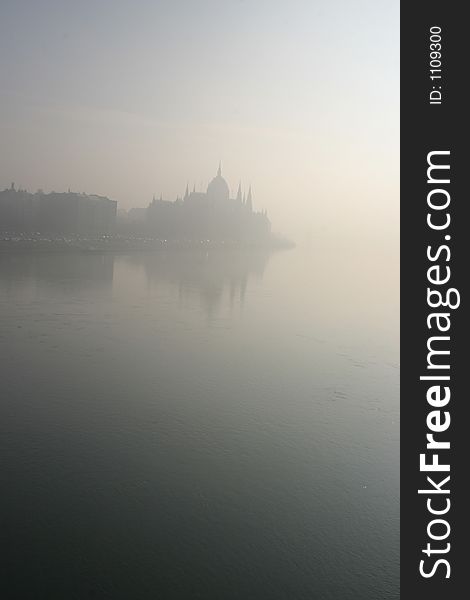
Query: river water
point(213, 424)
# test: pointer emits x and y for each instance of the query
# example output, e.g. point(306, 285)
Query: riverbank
point(40, 243)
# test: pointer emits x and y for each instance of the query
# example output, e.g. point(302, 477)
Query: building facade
point(56, 213)
point(209, 215)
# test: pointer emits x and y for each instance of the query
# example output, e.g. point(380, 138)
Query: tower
point(217, 190)
point(249, 201)
point(239, 193)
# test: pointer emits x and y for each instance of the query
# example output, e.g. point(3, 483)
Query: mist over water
point(213, 424)
point(200, 425)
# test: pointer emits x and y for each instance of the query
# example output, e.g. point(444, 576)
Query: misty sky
point(128, 98)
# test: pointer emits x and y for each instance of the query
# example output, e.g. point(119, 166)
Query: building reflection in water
point(70, 271)
point(213, 274)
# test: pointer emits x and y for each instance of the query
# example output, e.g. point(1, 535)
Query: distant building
point(211, 215)
point(16, 210)
point(56, 213)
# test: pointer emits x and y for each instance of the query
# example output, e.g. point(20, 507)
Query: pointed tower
point(239, 193)
point(219, 170)
point(249, 201)
point(186, 194)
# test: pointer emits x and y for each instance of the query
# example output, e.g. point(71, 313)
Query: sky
point(130, 98)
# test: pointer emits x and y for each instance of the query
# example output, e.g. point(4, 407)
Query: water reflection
point(73, 271)
point(148, 453)
point(214, 275)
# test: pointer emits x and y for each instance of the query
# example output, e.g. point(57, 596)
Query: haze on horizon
point(130, 98)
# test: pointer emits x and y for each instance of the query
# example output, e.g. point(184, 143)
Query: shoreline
point(43, 244)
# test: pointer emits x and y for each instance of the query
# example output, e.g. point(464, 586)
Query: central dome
point(217, 189)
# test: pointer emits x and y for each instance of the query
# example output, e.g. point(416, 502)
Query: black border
point(425, 128)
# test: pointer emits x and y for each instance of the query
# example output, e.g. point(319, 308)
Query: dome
point(217, 189)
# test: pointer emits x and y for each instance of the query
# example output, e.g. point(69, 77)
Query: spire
point(239, 193)
point(186, 194)
point(249, 201)
point(219, 170)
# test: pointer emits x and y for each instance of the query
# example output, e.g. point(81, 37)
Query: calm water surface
point(214, 425)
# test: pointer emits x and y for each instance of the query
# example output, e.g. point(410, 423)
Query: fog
point(130, 99)
point(192, 407)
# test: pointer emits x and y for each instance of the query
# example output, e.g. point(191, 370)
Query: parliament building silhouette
point(210, 215)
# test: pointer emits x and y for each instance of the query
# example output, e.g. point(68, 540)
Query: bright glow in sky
point(128, 98)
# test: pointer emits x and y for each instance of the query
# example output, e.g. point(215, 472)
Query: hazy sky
point(127, 98)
